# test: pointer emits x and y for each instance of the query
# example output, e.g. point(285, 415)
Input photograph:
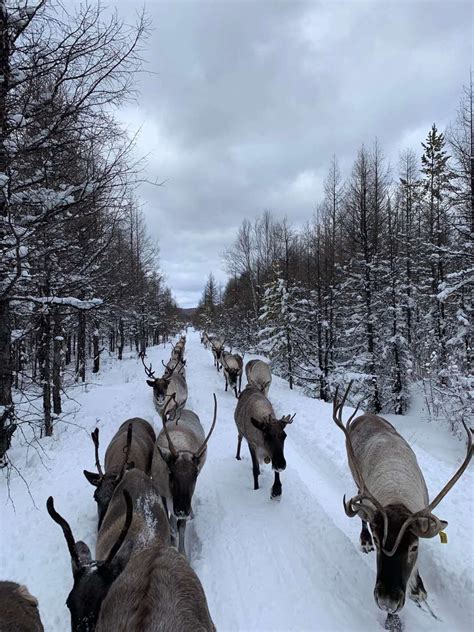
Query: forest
point(79, 273)
point(377, 286)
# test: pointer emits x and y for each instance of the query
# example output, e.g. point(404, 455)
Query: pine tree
point(280, 325)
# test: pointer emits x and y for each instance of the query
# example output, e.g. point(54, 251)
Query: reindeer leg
point(366, 542)
point(181, 533)
point(226, 383)
point(239, 443)
point(276, 489)
point(255, 467)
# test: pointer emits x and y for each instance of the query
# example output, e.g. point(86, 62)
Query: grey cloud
point(251, 99)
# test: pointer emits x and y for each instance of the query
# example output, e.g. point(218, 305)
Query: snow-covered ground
point(292, 565)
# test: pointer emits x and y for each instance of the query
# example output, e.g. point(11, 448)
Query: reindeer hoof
point(367, 547)
point(276, 492)
point(239, 458)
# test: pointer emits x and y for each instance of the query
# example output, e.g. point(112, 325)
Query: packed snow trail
point(292, 565)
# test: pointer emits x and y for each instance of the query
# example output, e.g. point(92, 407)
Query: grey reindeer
point(170, 387)
point(259, 375)
point(217, 347)
point(232, 365)
point(132, 444)
point(393, 499)
point(181, 450)
point(265, 434)
point(18, 609)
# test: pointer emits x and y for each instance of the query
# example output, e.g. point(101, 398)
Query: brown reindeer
point(132, 445)
point(18, 609)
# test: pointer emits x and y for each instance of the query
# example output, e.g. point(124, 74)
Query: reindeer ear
point(428, 526)
point(150, 382)
point(25, 593)
point(260, 425)
point(84, 555)
point(93, 478)
point(84, 552)
point(287, 419)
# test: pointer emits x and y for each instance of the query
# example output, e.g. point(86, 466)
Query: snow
point(70, 301)
point(292, 565)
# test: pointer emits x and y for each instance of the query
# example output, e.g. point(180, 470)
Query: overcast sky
point(249, 100)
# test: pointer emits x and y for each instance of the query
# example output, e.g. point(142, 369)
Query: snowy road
point(292, 565)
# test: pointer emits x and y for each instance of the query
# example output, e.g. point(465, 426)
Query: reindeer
point(393, 499)
point(170, 387)
point(205, 339)
point(177, 352)
point(18, 609)
point(175, 366)
point(180, 455)
point(265, 434)
point(158, 591)
point(232, 365)
point(140, 583)
point(131, 446)
point(217, 347)
point(259, 375)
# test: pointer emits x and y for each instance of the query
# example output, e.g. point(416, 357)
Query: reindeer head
point(160, 386)
point(274, 435)
point(183, 469)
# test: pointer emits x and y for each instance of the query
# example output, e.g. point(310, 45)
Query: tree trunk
point(121, 343)
point(96, 351)
point(81, 348)
point(7, 425)
point(68, 348)
point(290, 359)
point(57, 362)
point(44, 356)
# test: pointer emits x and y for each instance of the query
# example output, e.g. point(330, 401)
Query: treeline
point(78, 274)
point(376, 287)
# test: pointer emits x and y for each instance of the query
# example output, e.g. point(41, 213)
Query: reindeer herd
point(141, 581)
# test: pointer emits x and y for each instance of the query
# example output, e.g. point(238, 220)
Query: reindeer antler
point(364, 493)
point(126, 451)
point(203, 447)
point(63, 523)
point(148, 370)
point(126, 526)
point(426, 512)
point(95, 439)
point(163, 419)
